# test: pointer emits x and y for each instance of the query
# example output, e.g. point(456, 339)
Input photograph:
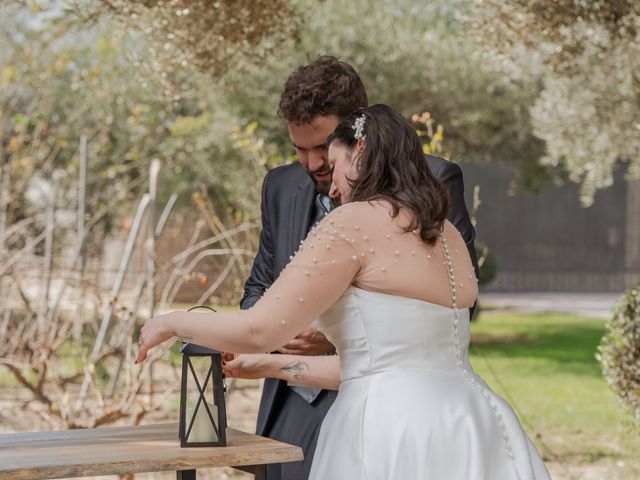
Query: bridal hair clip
point(358, 126)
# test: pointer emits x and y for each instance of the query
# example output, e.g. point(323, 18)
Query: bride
point(389, 281)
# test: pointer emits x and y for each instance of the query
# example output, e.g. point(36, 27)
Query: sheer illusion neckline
point(402, 297)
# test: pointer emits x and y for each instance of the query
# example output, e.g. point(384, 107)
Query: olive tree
point(586, 55)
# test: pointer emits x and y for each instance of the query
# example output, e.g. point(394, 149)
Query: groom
point(314, 100)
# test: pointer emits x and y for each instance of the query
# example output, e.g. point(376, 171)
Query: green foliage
point(545, 87)
point(416, 57)
point(59, 80)
point(210, 36)
point(585, 55)
point(57, 84)
point(431, 134)
point(173, 107)
point(487, 263)
point(619, 351)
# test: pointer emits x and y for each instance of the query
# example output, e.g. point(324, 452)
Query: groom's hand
point(308, 342)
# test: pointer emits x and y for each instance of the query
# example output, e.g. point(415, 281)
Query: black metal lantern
point(203, 417)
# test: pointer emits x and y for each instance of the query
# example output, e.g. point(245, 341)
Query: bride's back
point(395, 261)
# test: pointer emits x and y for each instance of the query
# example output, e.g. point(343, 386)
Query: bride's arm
point(311, 371)
point(315, 278)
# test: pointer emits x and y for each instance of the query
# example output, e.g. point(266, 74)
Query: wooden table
point(121, 450)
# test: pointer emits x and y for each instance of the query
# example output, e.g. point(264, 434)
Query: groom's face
point(310, 141)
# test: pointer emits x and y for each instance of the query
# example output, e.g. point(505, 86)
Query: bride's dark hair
point(392, 167)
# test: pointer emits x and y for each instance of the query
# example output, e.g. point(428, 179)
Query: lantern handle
point(199, 306)
point(202, 306)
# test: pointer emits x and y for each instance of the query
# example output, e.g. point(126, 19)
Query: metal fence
point(549, 242)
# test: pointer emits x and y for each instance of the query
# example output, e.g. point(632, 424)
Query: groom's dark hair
point(326, 86)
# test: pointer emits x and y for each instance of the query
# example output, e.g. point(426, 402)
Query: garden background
point(134, 137)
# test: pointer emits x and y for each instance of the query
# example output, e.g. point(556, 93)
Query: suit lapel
point(302, 204)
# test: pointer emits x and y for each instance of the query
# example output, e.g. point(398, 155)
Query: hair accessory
point(358, 126)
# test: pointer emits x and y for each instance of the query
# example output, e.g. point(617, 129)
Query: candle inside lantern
point(202, 430)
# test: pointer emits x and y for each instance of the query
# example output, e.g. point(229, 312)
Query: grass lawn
point(545, 366)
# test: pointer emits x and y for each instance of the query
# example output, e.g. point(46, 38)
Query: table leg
point(186, 475)
point(259, 471)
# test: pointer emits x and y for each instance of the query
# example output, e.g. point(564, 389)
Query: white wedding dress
point(409, 405)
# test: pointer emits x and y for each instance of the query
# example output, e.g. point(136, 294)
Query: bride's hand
point(251, 366)
point(155, 331)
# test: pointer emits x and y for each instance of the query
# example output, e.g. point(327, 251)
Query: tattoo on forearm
point(297, 368)
point(184, 338)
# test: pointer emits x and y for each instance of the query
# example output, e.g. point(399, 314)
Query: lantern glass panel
point(202, 429)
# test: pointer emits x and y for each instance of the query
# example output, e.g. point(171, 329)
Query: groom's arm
point(262, 273)
point(451, 175)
